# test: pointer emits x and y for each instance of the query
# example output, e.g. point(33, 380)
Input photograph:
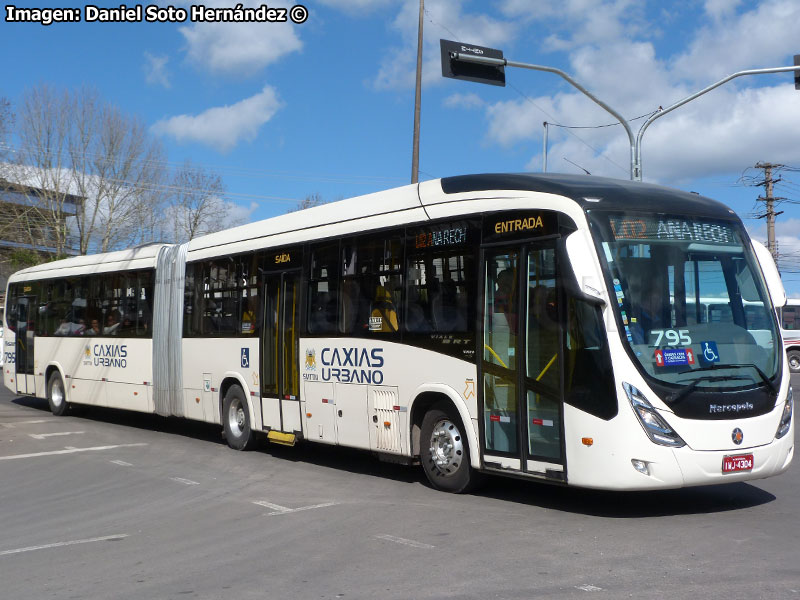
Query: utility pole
point(769, 199)
point(417, 99)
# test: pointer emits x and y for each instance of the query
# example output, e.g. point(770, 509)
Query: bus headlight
point(654, 426)
point(786, 418)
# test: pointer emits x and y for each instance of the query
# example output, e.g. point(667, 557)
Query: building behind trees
point(30, 231)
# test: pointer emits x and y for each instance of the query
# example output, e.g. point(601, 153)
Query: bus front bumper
point(706, 467)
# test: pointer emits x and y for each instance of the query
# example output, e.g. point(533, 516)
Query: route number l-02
point(674, 337)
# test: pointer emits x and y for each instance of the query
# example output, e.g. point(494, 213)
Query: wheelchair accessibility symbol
point(710, 353)
point(245, 358)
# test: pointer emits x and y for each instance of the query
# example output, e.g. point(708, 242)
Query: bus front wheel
point(56, 394)
point(444, 451)
point(794, 360)
point(236, 420)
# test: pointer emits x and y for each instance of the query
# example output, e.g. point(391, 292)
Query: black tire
point(794, 361)
point(236, 420)
point(444, 451)
point(57, 395)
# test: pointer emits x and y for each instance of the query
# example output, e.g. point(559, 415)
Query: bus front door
point(24, 357)
point(280, 384)
point(521, 364)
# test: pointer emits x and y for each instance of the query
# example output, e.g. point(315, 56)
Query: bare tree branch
point(309, 201)
point(197, 205)
point(74, 144)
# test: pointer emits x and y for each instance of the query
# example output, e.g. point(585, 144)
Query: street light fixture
point(680, 103)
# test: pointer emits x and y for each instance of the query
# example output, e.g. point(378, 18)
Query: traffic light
point(459, 69)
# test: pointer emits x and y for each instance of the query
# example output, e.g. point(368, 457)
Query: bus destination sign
point(452, 234)
point(656, 228)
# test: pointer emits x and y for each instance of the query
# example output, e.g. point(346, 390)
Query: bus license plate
point(740, 462)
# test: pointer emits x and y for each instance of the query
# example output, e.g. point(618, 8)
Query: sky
point(284, 110)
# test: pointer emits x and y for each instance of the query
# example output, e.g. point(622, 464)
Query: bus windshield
point(690, 300)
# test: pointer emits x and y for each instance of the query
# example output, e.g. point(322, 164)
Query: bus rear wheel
point(794, 360)
point(236, 420)
point(56, 395)
point(444, 452)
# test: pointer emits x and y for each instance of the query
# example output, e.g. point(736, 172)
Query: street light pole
point(477, 57)
point(680, 103)
point(484, 60)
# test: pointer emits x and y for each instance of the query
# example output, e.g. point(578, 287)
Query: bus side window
point(789, 318)
point(381, 280)
point(322, 289)
point(250, 301)
point(139, 315)
point(417, 317)
point(440, 292)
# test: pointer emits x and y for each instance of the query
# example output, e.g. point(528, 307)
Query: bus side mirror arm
point(569, 280)
point(771, 274)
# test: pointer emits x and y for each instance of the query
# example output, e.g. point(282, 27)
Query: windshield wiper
point(713, 367)
point(678, 396)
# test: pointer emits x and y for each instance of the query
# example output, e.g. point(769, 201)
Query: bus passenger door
point(280, 385)
point(24, 363)
point(521, 366)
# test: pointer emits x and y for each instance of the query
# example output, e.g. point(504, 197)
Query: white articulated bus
point(549, 327)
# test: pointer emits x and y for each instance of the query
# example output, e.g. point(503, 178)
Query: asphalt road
point(117, 505)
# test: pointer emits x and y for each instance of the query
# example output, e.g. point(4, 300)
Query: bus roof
point(410, 204)
point(132, 258)
point(586, 190)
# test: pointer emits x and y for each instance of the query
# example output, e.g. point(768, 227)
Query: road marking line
point(282, 510)
point(404, 541)
point(13, 424)
point(184, 481)
point(277, 507)
point(106, 538)
point(121, 463)
point(70, 451)
point(315, 506)
point(41, 436)
point(587, 587)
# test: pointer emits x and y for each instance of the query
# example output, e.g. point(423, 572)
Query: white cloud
point(358, 7)
point(155, 70)
point(444, 19)
point(225, 126)
point(464, 101)
point(759, 38)
point(239, 49)
point(238, 214)
point(515, 121)
point(730, 132)
point(724, 131)
point(720, 9)
point(590, 22)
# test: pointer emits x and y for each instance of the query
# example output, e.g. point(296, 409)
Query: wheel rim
point(794, 363)
point(57, 393)
point(236, 418)
point(447, 448)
